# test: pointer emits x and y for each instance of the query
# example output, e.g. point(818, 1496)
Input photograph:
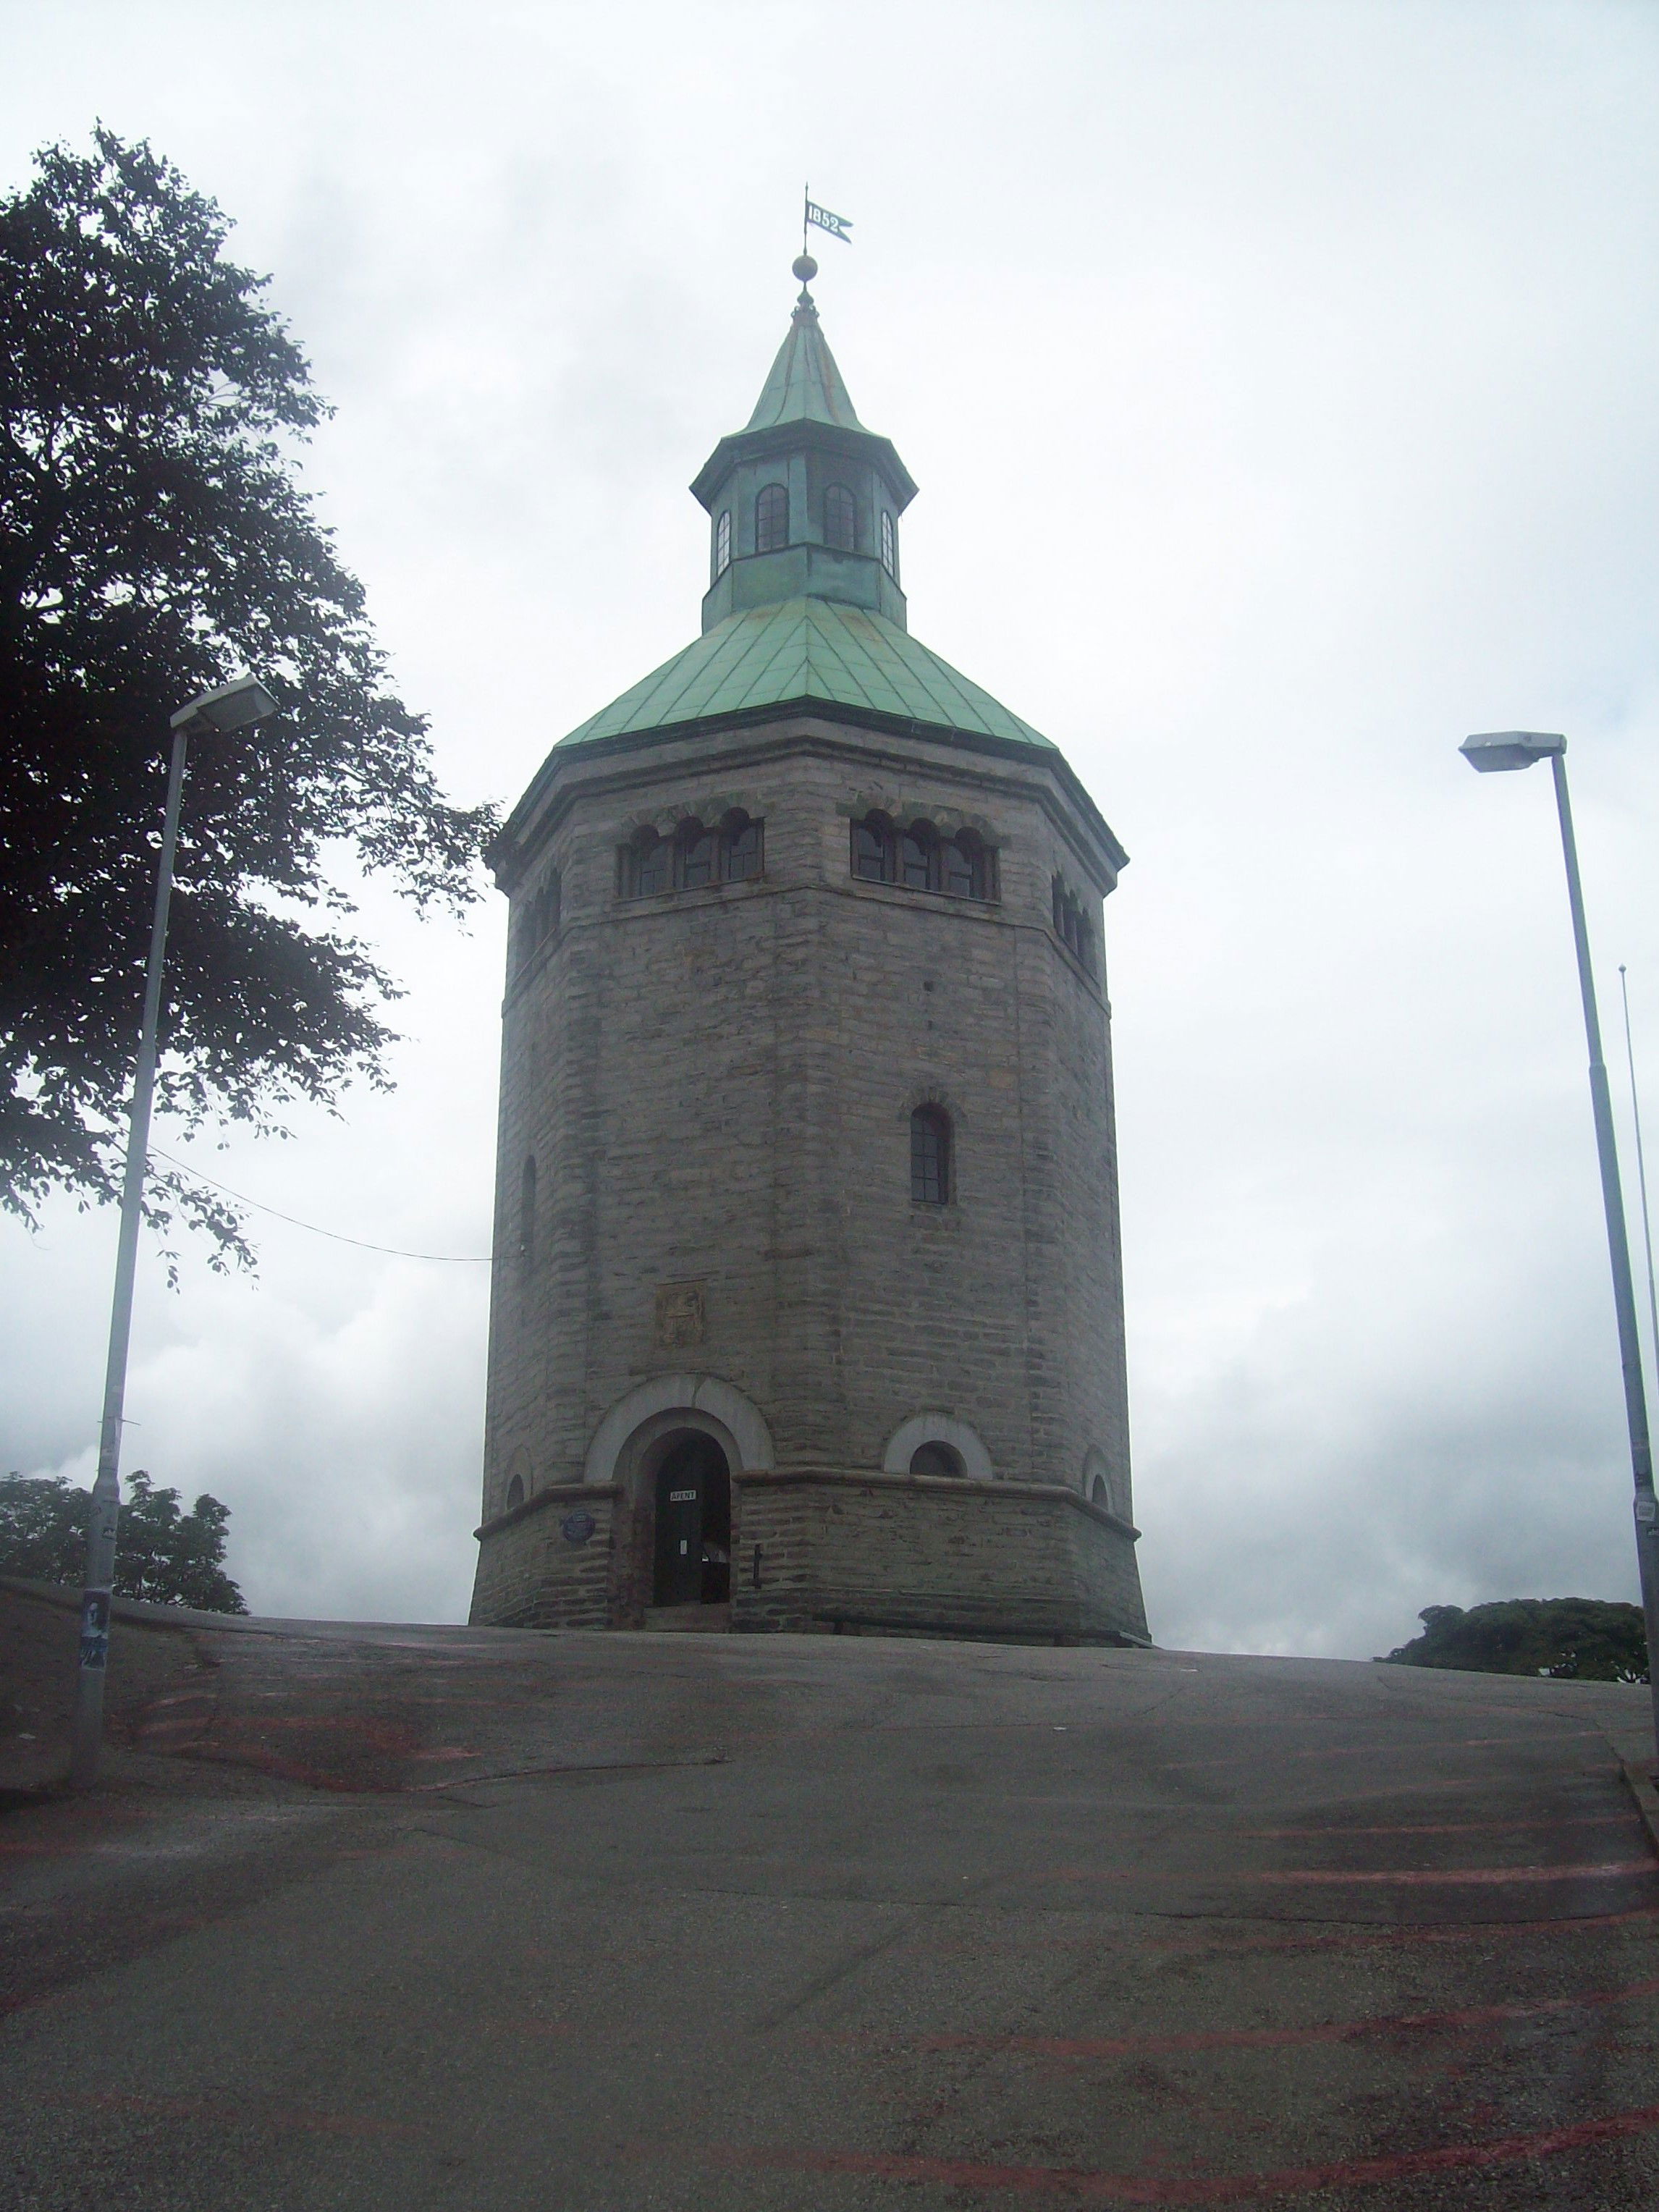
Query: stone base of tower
point(827, 1552)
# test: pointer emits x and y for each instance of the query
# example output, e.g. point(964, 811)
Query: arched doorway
point(694, 1524)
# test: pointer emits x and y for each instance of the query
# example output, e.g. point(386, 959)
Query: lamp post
point(232, 707)
point(1516, 749)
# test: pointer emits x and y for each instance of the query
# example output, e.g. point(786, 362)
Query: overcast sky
point(1280, 380)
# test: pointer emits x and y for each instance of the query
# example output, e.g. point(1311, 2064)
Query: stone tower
point(807, 1307)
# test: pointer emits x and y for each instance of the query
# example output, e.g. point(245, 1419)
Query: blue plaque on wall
point(576, 1527)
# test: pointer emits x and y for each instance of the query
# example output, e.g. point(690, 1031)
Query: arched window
point(839, 520)
point(875, 850)
point(1099, 1495)
point(696, 858)
point(967, 867)
point(740, 847)
point(771, 518)
point(527, 1215)
point(889, 545)
point(645, 867)
point(1072, 927)
point(723, 544)
point(936, 1459)
point(930, 1157)
point(539, 919)
point(514, 1493)
point(919, 858)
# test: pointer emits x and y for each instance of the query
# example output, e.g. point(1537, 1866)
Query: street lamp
point(232, 706)
point(1513, 749)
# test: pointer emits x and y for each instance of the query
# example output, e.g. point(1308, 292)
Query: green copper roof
point(806, 650)
point(804, 384)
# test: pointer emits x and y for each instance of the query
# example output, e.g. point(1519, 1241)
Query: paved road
point(425, 1918)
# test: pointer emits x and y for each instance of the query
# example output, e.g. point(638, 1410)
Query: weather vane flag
point(836, 225)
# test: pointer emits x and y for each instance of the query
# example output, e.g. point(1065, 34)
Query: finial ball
point(805, 268)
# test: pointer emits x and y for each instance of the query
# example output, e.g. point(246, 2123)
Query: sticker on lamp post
point(94, 1629)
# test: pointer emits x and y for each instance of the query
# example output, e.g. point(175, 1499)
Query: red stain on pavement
point(375, 1734)
point(1274, 2039)
point(1190, 2188)
point(1441, 1828)
point(1540, 1738)
point(1346, 1939)
point(1604, 1871)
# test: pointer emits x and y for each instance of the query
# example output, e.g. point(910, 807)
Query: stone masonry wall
point(932, 1556)
point(716, 1088)
point(883, 1554)
point(530, 1576)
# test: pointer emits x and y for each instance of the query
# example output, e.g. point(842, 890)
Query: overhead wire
point(362, 1245)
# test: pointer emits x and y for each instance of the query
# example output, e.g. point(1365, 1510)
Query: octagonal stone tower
point(807, 1305)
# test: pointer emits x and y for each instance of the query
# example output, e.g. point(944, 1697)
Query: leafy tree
point(163, 1556)
point(1585, 1639)
point(153, 541)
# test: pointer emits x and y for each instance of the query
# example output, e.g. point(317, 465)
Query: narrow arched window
point(839, 520)
point(930, 1157)
point(936, 1459)
point(967, 867)
point(740, 847)
point(696, 855)
point(515, 1494)
point(527, 1215)
point(919, 858)
point(723, 544)
point(539, 919)
point(1072, 927)
point(889, 545)
point(771, 518)
point(1099, 1495)
point(874, 850)
point(644, 866)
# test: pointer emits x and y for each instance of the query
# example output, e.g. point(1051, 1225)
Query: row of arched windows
point(1072, 927)
point(539, 919)
point(920, 860)
point(696, 855)
point(693, 858)
point(772, 526)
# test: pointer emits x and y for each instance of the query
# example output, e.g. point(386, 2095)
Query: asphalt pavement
point(380, 1916)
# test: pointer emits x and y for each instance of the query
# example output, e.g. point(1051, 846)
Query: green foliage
point(153, 543)
point(162, 1555)
point(1584, 1639)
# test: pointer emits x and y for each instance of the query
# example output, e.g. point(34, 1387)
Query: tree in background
point(1582, 1639)
point(164, 1557)
point(153, 543)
